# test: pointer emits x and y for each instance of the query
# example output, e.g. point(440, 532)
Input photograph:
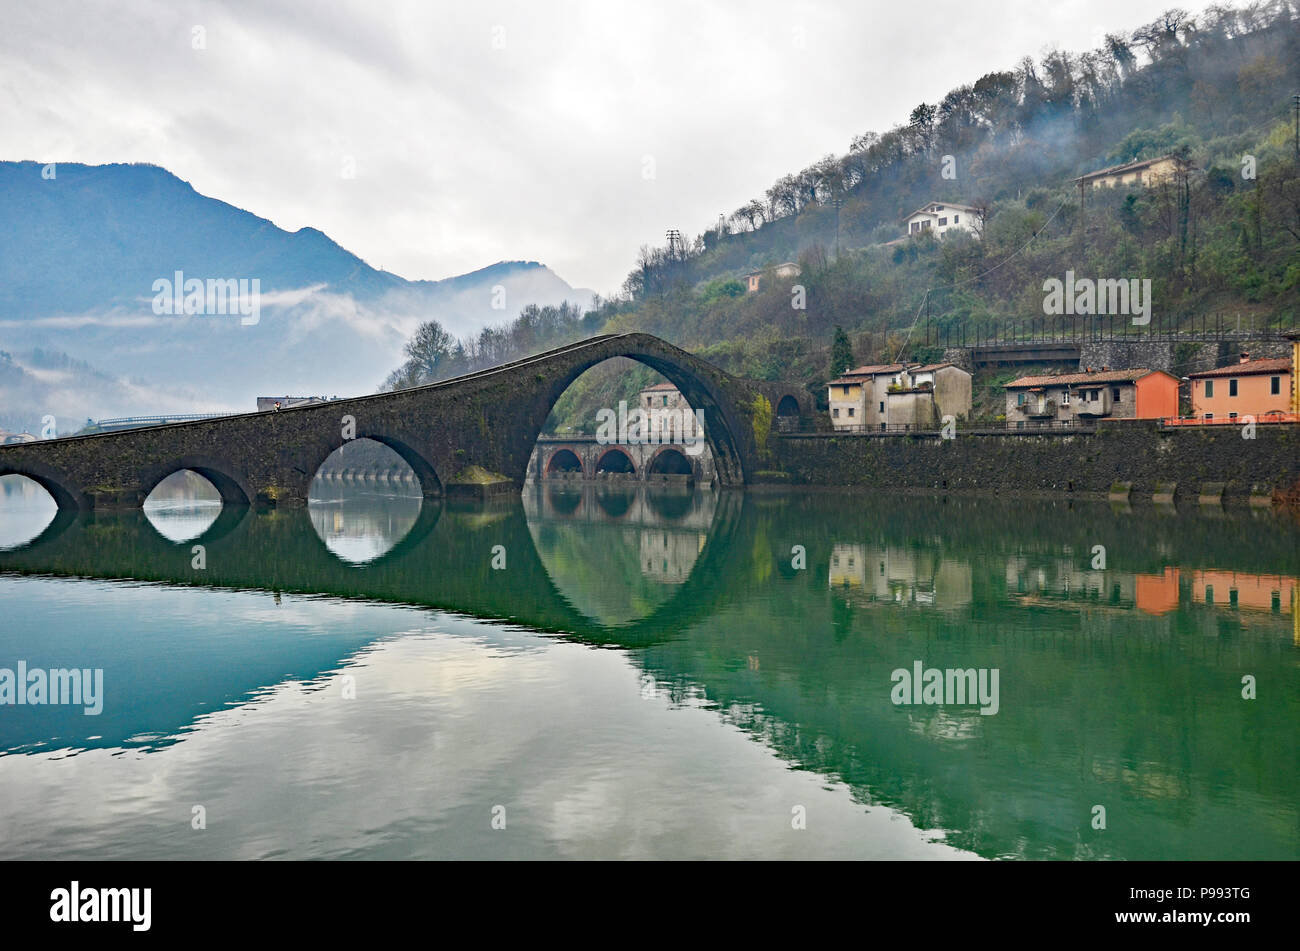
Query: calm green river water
point(615, 673)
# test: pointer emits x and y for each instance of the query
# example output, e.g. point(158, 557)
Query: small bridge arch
point(565, 460)
point(615, 460)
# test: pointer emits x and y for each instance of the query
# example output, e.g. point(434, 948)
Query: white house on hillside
point(942, 217)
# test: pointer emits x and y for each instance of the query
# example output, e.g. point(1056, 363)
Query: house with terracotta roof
point(854, 394)
point(1091, 395)
point(882, 396)
point(1248, 388)
point(1146, 173)
point(783, 271)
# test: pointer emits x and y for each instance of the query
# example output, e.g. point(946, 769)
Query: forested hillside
point(1214, 88)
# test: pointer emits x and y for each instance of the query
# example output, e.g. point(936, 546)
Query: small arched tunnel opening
point(615, 463)
point(26, 509)
point(564, 463)
point(619, 402)
point(787, 414)
point(363, 500)
point(183, 506)
point(671, 465)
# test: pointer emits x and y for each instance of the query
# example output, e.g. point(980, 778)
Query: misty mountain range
point(80, 255)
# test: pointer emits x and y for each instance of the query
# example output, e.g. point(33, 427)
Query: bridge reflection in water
point(1119, 687)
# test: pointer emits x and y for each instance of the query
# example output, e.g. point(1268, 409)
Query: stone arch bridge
point(587, 459)
point(448, 432)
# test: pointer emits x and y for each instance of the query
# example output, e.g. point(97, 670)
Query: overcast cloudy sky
point(483, 131)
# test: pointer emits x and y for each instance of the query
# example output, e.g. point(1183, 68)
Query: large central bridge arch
point(726, 402)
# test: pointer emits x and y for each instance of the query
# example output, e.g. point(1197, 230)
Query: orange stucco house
point(1249, 388)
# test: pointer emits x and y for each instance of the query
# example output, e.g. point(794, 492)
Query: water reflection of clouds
point(182, 521)
point(441, 732)
point(183, 506)
point(360, 527)
point(26, 510)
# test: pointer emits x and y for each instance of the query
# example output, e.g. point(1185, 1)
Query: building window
point(1275, 385)
point(1208, 417)
point(1065, 398)
point(836, 412)
point(1209, 389)
point(882, 407)
point(1020, 399)
point(1114, 393)
point(1232, 387)
point(845, 389)
point(956, 218)
point(943, 222)
point(938, 207)
point(1232, 416)
point(665, 401)
point(851, 412)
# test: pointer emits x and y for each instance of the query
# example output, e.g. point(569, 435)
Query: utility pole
point(1295, 109)
point(837, 201)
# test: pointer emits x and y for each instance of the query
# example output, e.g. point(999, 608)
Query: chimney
point(1245, 357)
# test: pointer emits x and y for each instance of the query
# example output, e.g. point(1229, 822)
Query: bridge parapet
point(447, 431)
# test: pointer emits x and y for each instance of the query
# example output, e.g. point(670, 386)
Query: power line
point(926, 296)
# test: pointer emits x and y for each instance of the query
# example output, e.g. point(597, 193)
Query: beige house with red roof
point(882, 396)
point(1147, 173)
point(1091, 395)
point(668, 415)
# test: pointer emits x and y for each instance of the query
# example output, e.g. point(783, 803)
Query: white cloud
point(467, 154)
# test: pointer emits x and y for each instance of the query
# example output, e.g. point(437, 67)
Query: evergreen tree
point(841, 353)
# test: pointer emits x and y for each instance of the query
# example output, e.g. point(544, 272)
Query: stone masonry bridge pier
point(454, 434)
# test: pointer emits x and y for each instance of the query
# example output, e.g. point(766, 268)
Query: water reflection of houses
point(1218, 588)
point(616, 553)
point(1063, 582)
point(1065, 578)
point(873, 573)
point(669, 556)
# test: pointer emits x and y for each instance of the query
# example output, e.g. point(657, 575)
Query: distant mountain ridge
point(80, 253)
